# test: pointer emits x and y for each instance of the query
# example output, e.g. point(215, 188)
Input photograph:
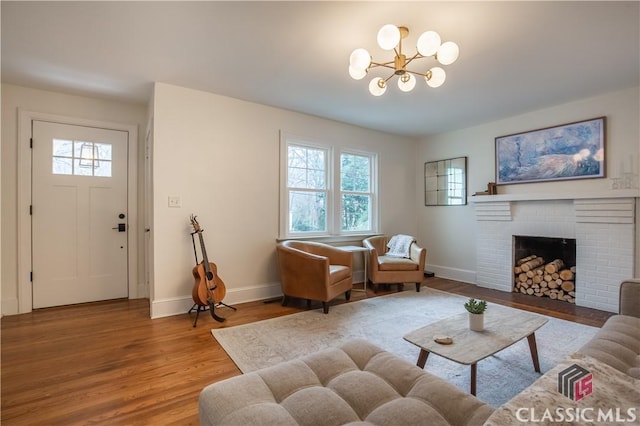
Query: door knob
point(121, 227)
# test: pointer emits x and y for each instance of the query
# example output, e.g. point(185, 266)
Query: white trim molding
point(25, 118)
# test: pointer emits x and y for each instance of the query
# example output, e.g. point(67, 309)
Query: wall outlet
point(174, 201)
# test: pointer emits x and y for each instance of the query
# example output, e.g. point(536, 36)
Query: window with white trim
point(326, 190)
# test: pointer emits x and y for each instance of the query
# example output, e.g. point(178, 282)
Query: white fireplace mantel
point(542, 196)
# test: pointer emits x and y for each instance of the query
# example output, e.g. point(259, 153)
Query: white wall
point(221, 157)
point(14, 97)
point(449, 232)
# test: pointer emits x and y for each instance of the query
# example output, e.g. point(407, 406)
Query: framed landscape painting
point(569, 151)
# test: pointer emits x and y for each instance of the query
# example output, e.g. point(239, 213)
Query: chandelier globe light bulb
point(406, 82)
point(435, 77)
point(377, 86)
point(388, 37)
point(428, 43)
point(448, 53)
point(357, 74)
point(360, 59)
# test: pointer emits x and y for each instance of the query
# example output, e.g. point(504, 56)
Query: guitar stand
point(198, 308)
point(226, 306)
point(212, 306)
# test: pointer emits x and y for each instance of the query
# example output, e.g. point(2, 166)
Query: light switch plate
point(174, 201)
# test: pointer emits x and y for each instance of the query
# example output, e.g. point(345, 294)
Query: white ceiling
point(514, 56)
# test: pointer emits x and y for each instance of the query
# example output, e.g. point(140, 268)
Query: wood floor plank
point(108, 363)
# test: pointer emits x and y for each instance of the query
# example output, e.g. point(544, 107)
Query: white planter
point(476, 322)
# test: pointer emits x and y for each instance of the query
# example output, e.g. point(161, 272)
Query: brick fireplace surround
point(603, 226)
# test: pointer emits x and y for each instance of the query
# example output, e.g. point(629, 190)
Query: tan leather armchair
point(394, 270)
point(314, 271)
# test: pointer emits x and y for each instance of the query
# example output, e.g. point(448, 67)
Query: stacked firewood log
point(534, 276)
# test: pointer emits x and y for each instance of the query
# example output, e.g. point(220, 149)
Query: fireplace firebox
point(545, 267)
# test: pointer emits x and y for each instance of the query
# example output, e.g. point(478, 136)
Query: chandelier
point(390, 38)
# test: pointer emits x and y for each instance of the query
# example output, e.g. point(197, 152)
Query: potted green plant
point(476, 309)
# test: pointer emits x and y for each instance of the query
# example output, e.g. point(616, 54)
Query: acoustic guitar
point(208, 289)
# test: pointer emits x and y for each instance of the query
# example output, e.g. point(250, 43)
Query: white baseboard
point(177, 306)
point(455, 274)
point(168, 307)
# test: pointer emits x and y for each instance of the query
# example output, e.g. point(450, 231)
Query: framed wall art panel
point(569, 151)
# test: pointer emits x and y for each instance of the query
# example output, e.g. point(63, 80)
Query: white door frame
point(25, 293)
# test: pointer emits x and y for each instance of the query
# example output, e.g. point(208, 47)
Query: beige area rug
point(383, 321)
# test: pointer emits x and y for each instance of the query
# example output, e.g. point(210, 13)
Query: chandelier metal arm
point(419, 74)
point(389, 78)
point(416, 56)
point(391, 65)
point(382, 64)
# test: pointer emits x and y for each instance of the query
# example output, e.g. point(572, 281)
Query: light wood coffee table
point(502, 328)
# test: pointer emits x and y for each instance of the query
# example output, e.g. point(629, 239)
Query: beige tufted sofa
point(360, 384)
point(618, 341)
point(357, 383)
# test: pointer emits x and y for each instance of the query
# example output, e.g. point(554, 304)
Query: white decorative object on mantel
point(627, 179)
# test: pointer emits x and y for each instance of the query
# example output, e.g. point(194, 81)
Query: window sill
point(332, 238)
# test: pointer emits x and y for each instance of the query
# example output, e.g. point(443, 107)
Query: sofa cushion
point(617, 344)
point(338, 273)
point(357, 383)
point(389, 263)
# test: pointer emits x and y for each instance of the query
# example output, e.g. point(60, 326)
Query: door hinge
point(30, 142)
point(31, 276)
point(30, 209)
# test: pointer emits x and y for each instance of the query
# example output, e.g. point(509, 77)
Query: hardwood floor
point(108, 363)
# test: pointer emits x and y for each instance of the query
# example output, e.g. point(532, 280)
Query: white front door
point(79, 216)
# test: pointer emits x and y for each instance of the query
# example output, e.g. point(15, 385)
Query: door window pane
point(62, 148)
point(81, 158)
point(62, 166)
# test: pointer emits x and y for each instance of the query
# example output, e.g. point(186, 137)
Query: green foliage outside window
point(355, 184)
